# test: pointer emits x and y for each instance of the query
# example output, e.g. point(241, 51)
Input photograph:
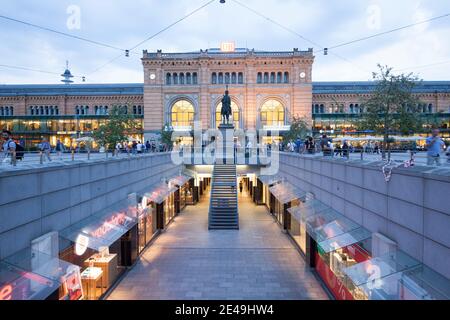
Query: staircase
point(223, 207)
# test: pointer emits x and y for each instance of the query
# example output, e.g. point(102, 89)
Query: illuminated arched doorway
point(272, 114)
point(182, 114)
point(236, 116)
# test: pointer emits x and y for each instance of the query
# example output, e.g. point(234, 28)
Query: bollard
point(41, 157)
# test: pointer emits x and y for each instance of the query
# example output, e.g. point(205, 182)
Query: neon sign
point(6, 292)
point(116, 220)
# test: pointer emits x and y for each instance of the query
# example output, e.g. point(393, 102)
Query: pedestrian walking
point(325, 146)
point(45, 148)
point(9, 147)
point(434, 146)
point(59, 148)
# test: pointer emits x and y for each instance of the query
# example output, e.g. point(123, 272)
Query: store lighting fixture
point(81, 244)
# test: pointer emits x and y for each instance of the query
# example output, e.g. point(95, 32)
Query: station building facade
point(267, 89)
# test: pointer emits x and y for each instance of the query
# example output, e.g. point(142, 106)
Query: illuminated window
point(235, 116)
point(183, 114)
point(272, 113)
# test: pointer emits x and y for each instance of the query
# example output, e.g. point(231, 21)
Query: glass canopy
point(159, 193)
point(285, 192)
point(103, 228)
point(19, 284)
point(179, 181)
point(41, 264)
point(269, 180)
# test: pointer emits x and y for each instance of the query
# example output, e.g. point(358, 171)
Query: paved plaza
point(189, 262)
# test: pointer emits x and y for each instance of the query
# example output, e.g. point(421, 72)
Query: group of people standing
point(138, 147)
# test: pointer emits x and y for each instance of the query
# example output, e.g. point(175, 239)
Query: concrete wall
point(34, 202)
point(412, 209)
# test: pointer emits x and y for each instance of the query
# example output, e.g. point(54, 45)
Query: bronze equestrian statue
point(226, 108)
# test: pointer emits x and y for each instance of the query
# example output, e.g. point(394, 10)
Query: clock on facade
point(152, 76)
point(302, 75)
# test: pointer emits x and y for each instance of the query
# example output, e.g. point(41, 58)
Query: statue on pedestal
point(226, 108)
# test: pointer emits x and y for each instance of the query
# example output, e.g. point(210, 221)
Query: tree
point(299, 129)
point(117, 129)
point(392, 106)
point(166, 136)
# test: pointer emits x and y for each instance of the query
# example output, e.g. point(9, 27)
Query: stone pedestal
point(225, 145)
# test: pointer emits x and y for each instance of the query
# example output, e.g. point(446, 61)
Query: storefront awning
point(397, 276)
point(102, 229)
point(19, 284)
point(285, 192)
point(158, 193)
point(179, 181)
point(270, 180)
point(41, 264)
point(307, 209)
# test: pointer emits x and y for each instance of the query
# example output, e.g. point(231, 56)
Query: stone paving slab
point(189, 262)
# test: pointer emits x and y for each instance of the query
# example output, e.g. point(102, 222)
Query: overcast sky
point(125, 23)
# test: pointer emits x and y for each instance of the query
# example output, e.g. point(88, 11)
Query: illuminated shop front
point(162, 199)
point(183, 193)
point(297, 227)
point(284, 196)
point(103, 245)
point(34, 275)
point(30, 130)
point(396, 276)
point(147, 223)
point(263, 185)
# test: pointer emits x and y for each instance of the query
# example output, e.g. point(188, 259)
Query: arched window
point(266, 77)
point(286, 77)
point(272, 77)
point(227, 77)
point(139, 109)
point(322, 108)
point(183, 113)
point(175, 78)
point(57, 110)
point(31, 111)
point(214, 78)
point(272, 113)
point(220, 78)
point(181, 78)
point(41, 110)
point(188, 78)
point(259, 78)
point(194, 78)
point(233, 78)
point(235, 110)
point(240, 78)
point(2, 112)
point(352, 109)
point(430, 108)
point(279, 77)
point(168, 79)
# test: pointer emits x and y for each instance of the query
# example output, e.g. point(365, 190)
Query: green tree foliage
point(392, 106)
point(300, 128)
point(166, 136)
point(117, 129)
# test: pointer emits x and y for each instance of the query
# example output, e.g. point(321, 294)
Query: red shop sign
point(340, 292)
